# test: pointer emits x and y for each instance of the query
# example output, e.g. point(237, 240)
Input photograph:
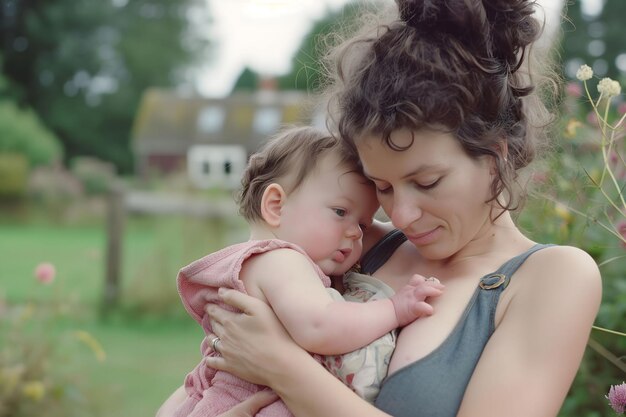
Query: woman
point(441, 108)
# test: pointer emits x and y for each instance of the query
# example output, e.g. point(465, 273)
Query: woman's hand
point(253, 344)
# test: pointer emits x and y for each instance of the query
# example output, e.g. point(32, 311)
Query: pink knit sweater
point(211, 392)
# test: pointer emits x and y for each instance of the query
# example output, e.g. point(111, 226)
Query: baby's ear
point(271, 204)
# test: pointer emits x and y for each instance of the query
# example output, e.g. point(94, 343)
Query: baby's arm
point(317, 322)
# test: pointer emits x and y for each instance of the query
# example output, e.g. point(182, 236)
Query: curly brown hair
point(461, 66)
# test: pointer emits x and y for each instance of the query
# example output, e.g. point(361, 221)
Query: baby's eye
point(340, 212)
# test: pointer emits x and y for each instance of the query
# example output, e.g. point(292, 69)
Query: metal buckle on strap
point(492, 281)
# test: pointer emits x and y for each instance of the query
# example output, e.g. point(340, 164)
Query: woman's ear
point(271, 204)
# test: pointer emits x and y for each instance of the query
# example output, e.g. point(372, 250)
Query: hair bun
point(442, 16)
point(419, 14)
point(489, 28)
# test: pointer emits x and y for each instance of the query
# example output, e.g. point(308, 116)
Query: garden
point(62, 354)
point(68, 347)
point(59, 355)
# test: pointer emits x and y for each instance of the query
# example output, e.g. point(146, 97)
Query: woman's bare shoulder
point(561, 272)
point(566, 261)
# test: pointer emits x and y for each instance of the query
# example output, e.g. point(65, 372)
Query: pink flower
point(617, 398)
point(621, 109)
point(539, 177)
point(621, 229)
point(592, 119)
point(45, 272)
point(573, 89)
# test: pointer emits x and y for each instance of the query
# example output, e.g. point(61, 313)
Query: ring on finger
point(214, 343)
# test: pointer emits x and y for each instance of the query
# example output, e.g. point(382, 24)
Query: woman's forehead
point(426, 151)
point(405, 140)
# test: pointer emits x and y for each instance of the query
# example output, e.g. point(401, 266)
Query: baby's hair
point(294, 151)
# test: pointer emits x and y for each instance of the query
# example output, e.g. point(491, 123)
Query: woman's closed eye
point(428, 185)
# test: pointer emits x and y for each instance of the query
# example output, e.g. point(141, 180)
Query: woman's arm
point(170, 405)
point(530, 361)
point(300, 381)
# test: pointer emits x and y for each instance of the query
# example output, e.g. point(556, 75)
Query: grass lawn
point(145, 363)
point(150, 344)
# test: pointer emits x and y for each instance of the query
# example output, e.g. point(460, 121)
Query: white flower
point(608, 87)
point(584, 73)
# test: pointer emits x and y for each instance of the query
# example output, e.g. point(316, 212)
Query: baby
point(307, 205)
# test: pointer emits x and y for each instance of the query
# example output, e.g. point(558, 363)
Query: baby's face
point(327, 214)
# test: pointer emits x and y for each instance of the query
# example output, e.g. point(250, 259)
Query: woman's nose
point(405, 211)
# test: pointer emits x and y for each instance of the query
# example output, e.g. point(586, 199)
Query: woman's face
point(433, 191)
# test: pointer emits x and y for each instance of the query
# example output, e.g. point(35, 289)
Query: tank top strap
point(502, 276)
point(381, 251)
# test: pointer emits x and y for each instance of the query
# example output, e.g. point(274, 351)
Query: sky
point(265, 34)
point(260, 34)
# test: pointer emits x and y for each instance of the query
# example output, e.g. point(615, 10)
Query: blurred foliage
point(577, 203)
point(597, 40)
point(53, 191)
point(307, 68)
point(83, 65)
point(22, 132)
point(162, 263)
point(248, 80)
point(37, 373)
point(96, 176)
point(13, 175)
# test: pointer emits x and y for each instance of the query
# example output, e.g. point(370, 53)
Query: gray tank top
point(433, 386)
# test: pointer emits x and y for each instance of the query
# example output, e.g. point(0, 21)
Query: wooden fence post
point(116, 213)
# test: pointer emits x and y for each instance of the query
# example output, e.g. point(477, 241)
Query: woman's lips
point(425, 237)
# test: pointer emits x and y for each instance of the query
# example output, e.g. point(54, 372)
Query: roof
point(169, 122)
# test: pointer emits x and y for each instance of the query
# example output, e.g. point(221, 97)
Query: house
point(169, 124)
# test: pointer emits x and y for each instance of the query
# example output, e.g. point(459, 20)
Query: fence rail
point(122, 202)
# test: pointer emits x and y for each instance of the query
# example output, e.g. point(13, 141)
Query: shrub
point(583, 204)
point(22, 132)
point(13, 175)
point(95, 175)
point(37, 374)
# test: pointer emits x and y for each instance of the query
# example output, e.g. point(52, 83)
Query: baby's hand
point(410, 301)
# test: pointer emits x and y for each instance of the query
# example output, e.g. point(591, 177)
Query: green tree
point(248, 80)
point(596, 40)
point(307, 71)
point(83, 65)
